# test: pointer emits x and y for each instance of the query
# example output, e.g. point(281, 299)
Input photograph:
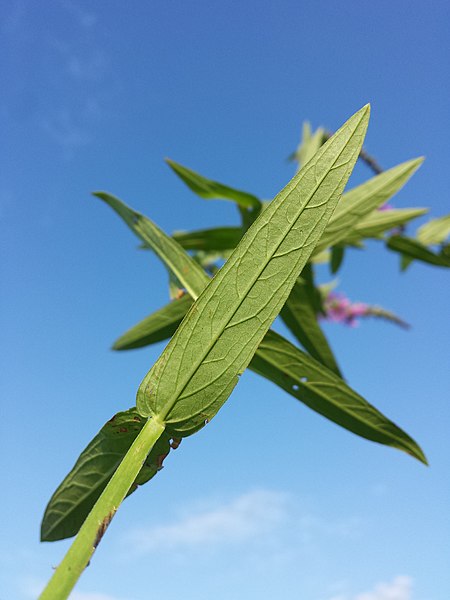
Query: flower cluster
point(339, 309)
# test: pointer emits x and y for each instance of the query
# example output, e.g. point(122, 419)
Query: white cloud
point(245, 518)
point(33, 587)
point(398, 589)
point(91, 596)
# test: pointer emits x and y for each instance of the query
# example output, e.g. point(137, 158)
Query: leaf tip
point(99, 194)
point(421, 457)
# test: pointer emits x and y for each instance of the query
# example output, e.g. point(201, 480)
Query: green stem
point(96, 523)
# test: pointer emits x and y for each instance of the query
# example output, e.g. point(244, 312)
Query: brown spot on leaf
point(160, 460)
point(103, 527)
point(123, 430)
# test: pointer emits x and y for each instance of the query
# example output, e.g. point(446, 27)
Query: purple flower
point(339, 309)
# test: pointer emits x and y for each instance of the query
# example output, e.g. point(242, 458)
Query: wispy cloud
point(93, 596)
point(32, 588)
point(262, 515)
point(249, 516)
point(400, 588)
point(67, 93)
point(85, 18)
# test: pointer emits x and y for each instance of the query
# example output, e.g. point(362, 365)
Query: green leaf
point(378, 222)
point(218, 337)
point(77, 494)
point(309, 145)
point(179, 263)
point(412, 249)
point(435, 231)
point(327, 394)
point(337, 256)
point(300, 315)
point(362, 200)
point(208, 189)
point(157, 327)
point(219, 238)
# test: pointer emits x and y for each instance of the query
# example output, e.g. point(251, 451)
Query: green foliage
point(413, 250)
point(218, 324)
point(435, 231)
point(363, 200)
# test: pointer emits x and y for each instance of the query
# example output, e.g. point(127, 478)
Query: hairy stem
point(98, 520)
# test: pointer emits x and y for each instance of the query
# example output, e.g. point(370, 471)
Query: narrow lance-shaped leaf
point(216, 341)
point(328, 394)
point(435, 231)
point(378, 222)
point(414, 250)
point(249, 205)
point(363, 199)
point(208, 189)
point(219, 238)
point(157, 327)
point(165, 247)
point(300, 316)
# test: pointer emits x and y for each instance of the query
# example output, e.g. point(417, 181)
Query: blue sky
point(270, 500)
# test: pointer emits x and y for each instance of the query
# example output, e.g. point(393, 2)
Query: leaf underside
point(216, 341)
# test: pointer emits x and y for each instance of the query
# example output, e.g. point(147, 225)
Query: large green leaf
point(218, 337)
point(327, 394)
point(219, 238)
point(300, 315)
point(363, 199)
point(208, 189)
point(78, 492)
point(435, 231)
point(378, 222)
point(414, 250)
